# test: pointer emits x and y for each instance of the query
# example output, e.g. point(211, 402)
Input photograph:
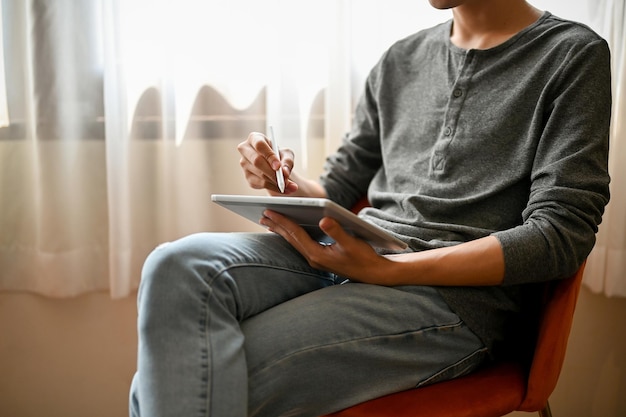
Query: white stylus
point(280, 179)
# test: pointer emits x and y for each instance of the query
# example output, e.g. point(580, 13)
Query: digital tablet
point(308, 212)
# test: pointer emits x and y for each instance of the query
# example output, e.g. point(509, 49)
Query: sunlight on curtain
point(606, 270)
point(52, 217)
point(125, 116)
point(180, 46)
point(4, 110)
point(118, 135)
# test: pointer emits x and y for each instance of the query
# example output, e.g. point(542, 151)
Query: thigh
point(194, 292)
point(345, 344)
point(246, 272)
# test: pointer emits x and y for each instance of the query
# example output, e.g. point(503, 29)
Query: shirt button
point(457, 93)
point(447, 131)
point(438, 162)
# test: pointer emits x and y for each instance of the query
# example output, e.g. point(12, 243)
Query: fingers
point(335, 257)
point(348, 256)
point(259, 163)
point(333, 230)
point(291, 232)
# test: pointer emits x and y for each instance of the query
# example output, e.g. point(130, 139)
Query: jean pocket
point(460, 368)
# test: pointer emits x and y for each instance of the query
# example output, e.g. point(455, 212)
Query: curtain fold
point(51, 169)
point(123, 116)
point(4, 110)
point(605, 272)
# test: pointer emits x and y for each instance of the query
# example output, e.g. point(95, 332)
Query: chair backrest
point(554, 329)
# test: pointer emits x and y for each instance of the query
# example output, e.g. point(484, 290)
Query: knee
point(168, 283)
point(133, 401)
point(162, 261)
point(159, 268)
point(169, 264)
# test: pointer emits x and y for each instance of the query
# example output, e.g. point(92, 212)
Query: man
point(482, 143)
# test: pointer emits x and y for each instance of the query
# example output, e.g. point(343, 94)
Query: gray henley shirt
point(451, 145)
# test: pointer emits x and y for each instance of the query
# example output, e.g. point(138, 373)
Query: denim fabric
point(235, 324)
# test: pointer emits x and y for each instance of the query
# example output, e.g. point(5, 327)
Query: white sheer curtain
point(605, 272)
point(123, 116)
point(4, 110)
point(606, 268)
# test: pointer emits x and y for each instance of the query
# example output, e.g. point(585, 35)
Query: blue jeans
point(234, 325)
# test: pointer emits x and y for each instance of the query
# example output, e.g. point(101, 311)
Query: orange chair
point(499, 389)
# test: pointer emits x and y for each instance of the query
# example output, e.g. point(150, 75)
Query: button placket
point(455, 104)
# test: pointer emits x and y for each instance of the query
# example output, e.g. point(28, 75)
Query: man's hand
point(475, 263)
point(259, 164)
point(348, 256)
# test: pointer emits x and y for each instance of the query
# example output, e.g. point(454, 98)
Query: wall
point(66, 358)
point(75, 357)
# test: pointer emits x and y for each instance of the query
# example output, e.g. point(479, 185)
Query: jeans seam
point(207, 383)
point(295, 270)
point(360, 339)
point(451, 366)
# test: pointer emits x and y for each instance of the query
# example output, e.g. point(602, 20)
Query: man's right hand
point(258, 161)
point(259, 164)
